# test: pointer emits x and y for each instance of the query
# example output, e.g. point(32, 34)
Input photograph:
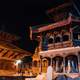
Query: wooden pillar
point(51, 61)
point(54, 40)
point(78, 61)
point(64, 64)
point(41, 64)
point(62, 45)
point(56, 65)
point(40, 44)
point(71, 35)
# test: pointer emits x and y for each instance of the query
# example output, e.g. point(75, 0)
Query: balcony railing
point(58, 45)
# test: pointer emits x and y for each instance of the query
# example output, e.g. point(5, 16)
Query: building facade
point(62, 33)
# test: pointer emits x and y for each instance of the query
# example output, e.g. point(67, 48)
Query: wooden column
point(56, 65)
point(54, 40)
point(40, 40)
point(51, 60)
point(41, 64)
point(64, 64)
point(78, 61)
point(71, 35)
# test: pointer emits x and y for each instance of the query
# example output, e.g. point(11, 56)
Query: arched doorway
point(71, 64)
point(58, 63)
point(45, 62)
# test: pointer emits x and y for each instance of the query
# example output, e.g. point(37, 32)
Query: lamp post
point(19, 65)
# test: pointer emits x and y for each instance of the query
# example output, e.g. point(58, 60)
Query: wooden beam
point(15, 55)
point(59, 7)
point(11, 55)
point(5, 53)
point(1, 50)
point(7, 59)
point(9, 51)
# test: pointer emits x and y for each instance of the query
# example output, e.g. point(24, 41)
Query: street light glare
point(18, 62)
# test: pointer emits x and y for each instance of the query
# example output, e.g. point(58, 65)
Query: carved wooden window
point(51, 39)
point(58, 38)
point(65, 37)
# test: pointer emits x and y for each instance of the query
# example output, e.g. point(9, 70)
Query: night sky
point(18, 15)
point(14, 14)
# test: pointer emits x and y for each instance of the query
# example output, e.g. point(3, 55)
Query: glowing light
point(18, 62)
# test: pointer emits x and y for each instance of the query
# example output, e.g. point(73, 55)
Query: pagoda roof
point(59, 7)
point(8, 37)
point(11, 52)
point(65, 22)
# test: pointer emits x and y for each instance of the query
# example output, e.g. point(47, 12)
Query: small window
point(58, 39)
point(65, 37)
point(50, 41)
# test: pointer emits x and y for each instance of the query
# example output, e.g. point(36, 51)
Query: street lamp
point(18, 62)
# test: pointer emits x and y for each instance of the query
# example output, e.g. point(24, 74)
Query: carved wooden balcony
point(60, 45)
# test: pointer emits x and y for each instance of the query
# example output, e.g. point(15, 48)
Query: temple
point(58, 42)
point(9, 54)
